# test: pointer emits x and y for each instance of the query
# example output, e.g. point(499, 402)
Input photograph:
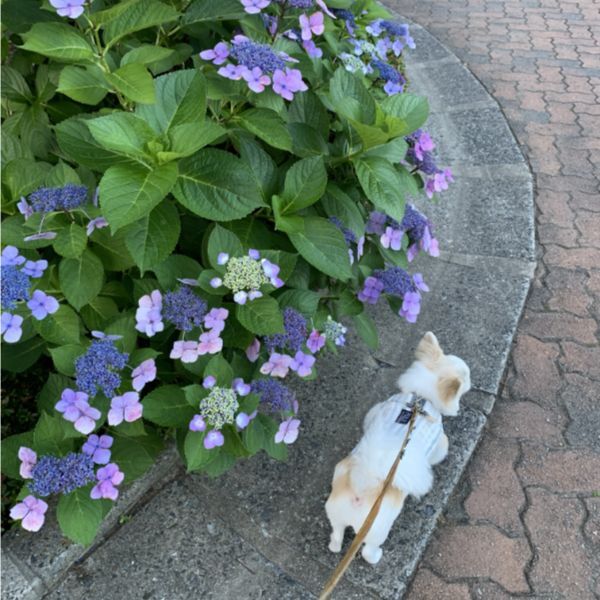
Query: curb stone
point(274, 511)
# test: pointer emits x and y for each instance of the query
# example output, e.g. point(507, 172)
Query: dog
point(435, 380)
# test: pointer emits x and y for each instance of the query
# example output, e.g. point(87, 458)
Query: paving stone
point(568, 289)
point(592, 523)
point(559, 470)
point(480, 551)
point(428, 48)
point(490, 591)
point(558, 326)
point(428, 586)
point(561, 563)
point(581, 396)
point(479, 137)
point(496, 495)
point(537, 376)
point(581, 359)
point(526, 420)
point(485, 294)
point(470, 205)
point(586, 258)
point(18, 582)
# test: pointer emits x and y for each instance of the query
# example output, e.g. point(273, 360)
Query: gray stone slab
point(18, 582)
point(427, 48)
point(485, 217)
point(176, 549)
point(476, 137)
point(473, 308)
point(445, 84)
point(48, 554)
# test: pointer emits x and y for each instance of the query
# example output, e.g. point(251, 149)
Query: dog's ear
point(428, 350)
point(448, 388)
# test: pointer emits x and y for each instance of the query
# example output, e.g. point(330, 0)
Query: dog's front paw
point(372, 554)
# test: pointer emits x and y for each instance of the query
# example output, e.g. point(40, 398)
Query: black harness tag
point(404, 416)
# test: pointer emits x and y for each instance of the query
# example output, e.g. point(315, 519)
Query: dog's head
point(440, 378)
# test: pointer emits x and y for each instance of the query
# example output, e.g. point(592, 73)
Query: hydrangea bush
point(197, 195)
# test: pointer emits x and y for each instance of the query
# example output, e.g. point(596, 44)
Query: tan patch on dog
point(340, 486)
point(395, 496)
point(428, 351)
point(448, 388)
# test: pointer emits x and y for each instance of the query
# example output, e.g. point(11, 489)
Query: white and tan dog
point(439, 380)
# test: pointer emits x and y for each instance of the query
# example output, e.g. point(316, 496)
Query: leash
point(366, 526)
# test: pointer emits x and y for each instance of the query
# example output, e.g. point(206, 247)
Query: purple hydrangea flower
point(222, 258)
point(250, 54)
point(44, 235)
point(242, 420)
point(371, 290)
point(392, 238)
point(35, 268)
point(99, 368)
point(97, 223)
point(11, 257)
point(68, 8)
point(149, 314)
point(68, 197)
point(186, 351)
point(271, 270)
point(255, 6)
point(108, 478)
point(11, 330)
point(275, 395)
point(241, 388)
point(218, 54)
point(295, 332)
point(197, 423)
point(31, 512)
point(53, 475)
point(314, 24)
point(233, 72)
point(42, 305)
point(335, 331)
point(315, 341)
point(184, 309)
point(348, 234)
point(144, 373)
point(28, 460)
point(256, 80)
point(288, 82)
point(126, 407)
point(302, 364)
point(312, 49)
point(396, 281)
point(419, 283)
point(376, 222)
point(213, 439)
point(411, 306)
point(209, 382)
point(15, 286)
point(24, 208)
point(288, 431)
point(98, 447)
point(75, 408)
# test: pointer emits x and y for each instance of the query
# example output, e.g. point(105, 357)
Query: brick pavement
point(525, 521)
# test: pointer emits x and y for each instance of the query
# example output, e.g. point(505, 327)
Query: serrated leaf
point(134, 454)
point(322, 245)
point(351, 98)
point(83, 84)
point(59, 41)
point(62, 327)
point(180, 98)
point(10, 449)
point(305, 183)
point(268, 126)
point(167, 406)
point(146, 54)
point(64, 358)
point(51, 392)
point(220, 369)
point(79, 516)
point(382, 185)
point(261, 316)
point(365, 327)
point(134, 81)
point(71, 241)
point(81, 278)
point(151, 239)
point(338, 204)
point(222, 240)
point(208, 10)
point(409, 112)
point(217, 185)
point(196, 455)
point(17, 358)
point(127, 193)
point(98, 312)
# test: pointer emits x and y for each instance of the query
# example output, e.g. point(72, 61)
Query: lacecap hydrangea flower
point(31, 512)
point(61, 475)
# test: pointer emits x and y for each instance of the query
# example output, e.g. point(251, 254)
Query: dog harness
point(428, 425)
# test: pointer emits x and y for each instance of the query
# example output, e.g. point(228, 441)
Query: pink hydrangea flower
point(213, 439)
point(315, 341)
point(256, 80)
point(287, 83)
point(197, 423)
point(311, 25)
point(210, 343)
point(302, 364)
point(253, 7)
point(278, 365)
point(215, 319)
point(98, 447)
point(31, 512)
point(75, 408)
point(28, 460)
point(288, 431)
point(186, 351)
point(253, 350)
point(68, 8)
point(108, 478)
point(218, 54)
point(148, 315)
point(126, 407)
point(392, 238)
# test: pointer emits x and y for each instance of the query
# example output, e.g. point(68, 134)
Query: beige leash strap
point(360, 536)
